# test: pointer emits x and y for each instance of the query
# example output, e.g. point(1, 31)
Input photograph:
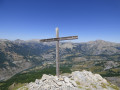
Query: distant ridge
point(38, 40)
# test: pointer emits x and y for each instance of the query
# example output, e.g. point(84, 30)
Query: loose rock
point(76, 81)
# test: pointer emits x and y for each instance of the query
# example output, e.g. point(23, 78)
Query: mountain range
point(19, 55)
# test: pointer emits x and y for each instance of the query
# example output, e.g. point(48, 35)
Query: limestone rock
point(76, 81)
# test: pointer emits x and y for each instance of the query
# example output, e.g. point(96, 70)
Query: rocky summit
point(78, 80)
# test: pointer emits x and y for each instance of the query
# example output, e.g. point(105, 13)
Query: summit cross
point(57, 39)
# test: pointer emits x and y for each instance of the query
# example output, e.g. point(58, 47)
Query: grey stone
point(66, 79)
point(78, 82)
point(73, 83)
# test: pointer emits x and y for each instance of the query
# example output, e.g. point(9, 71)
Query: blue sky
point(37, 19)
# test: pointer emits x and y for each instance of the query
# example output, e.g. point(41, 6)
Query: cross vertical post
point(57, 53)
point(57, 39)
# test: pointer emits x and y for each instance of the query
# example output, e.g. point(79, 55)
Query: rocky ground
point(77, 80)
point(114, 80)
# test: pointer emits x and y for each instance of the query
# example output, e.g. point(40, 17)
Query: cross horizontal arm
point(59, 39)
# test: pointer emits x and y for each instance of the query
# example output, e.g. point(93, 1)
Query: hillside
point(16, 56)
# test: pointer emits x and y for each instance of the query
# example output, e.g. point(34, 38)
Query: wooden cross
point(57, 39)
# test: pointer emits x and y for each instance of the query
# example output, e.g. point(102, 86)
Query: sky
point(37, 19)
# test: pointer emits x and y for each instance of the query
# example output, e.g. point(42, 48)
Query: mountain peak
point(97, 41)
point(75, 81)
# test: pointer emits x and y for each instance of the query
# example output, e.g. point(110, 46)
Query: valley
point(28, 60)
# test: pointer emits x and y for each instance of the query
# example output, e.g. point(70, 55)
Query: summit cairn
point(77, 80)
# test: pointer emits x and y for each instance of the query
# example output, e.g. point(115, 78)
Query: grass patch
point(1, 84)
point(93, 85)
point(79, 87)
point(16, 86)
point(115, 87)
point(78, 83)
point(103, 85)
